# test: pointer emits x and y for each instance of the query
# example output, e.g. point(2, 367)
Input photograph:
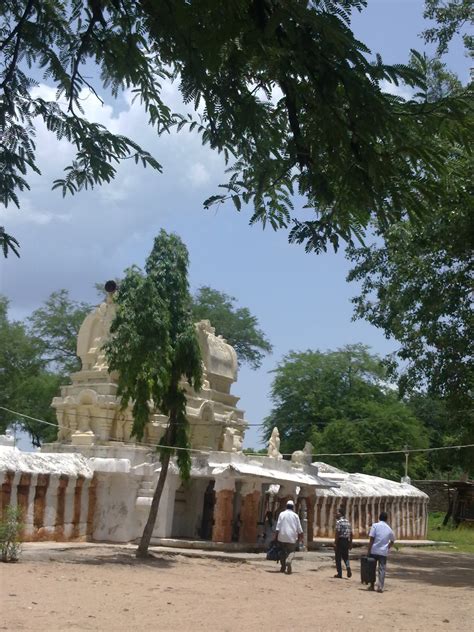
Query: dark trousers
point(342, 552)
point(285, 549)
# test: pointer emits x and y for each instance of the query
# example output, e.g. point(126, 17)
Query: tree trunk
point(142, 550)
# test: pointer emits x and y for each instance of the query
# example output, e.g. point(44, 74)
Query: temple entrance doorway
point(189, 508)
point(207, 520)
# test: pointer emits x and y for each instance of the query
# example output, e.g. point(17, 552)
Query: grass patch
point(460, 538)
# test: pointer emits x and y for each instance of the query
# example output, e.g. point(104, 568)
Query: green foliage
point(282, 89)
point(8, 243)
point(57, 324)
point(375, 426)
point(415, 285)
point(339, 401)
point(460, 538)
point(250, 451)
point(154, 343)
point(25, 383)
point(313, 388)
point(451, 18)
point(436, 417)
point(36, 358)
point(236, 324)
point(10, 529)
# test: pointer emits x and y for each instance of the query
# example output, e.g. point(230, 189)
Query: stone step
point(145, 493)
point(147, 485)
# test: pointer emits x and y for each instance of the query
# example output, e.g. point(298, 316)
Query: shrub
point(10, 528)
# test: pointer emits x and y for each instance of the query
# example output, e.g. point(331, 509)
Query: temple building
point(96, 482)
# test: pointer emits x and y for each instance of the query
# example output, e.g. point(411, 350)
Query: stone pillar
point(250, 494)
point(60, 508)
point(223, 510)
point(76, 513)
point(369, 514)
point(356, 517)
point(403, 513)
point(285, 493)
point(322, 531)
point(335, 502)
point(304, 521)
point(6, 490)
point(40, 504)
point(425, 518)
point(164, 519)
point(317, 525)
point(310, 505)
point(103, 423)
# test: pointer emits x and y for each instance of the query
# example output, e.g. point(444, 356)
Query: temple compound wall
point(96, 482)
point(55, 493)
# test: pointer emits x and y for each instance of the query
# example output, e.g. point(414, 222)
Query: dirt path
point(107, 590)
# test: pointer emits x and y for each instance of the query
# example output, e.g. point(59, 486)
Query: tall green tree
point(416, 284)
point(341, 402)
point(236, 324)
point(435, 416)
point(56, 323)
point(283, 90)
point(154, 347)
point(26, 385)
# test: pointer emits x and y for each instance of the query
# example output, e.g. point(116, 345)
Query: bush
point(10, 528)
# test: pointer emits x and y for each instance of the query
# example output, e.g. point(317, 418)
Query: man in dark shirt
point(342, 543)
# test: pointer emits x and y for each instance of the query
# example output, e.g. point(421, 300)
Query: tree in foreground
point(284, 90)
point(236, 324)
point(154, 348)
point(416, 286)
point(340, 401)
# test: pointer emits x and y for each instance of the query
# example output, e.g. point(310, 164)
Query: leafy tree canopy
point(25, 383)
point(416, 284)
point(57, 324)
point(340, 401)
point(451, 18)
point(283, 89)
point(236, 324)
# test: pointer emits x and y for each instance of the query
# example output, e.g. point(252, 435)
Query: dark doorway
point(208, 512)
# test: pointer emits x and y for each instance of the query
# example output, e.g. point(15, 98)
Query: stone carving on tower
point(304, 456)
point(274, 445)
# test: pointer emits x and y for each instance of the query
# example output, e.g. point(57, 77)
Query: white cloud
point(198, 174)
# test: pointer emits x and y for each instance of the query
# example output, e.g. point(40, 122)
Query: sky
point(302, 301)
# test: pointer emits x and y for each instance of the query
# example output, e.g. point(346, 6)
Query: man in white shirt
point(381, 540)
point(287, 533)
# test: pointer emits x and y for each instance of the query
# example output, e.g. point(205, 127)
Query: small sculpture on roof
point(304, 456)
point(232, 441)
point(274, 445)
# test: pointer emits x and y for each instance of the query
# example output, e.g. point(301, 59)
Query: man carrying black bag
point(288, 532)
point(381, 540)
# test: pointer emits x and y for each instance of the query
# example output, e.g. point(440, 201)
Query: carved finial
point(274, 445)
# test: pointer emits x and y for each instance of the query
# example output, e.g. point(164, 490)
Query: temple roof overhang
point(265, 469)
point(250, 471)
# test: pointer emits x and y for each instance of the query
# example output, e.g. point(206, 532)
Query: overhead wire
point(254, 454)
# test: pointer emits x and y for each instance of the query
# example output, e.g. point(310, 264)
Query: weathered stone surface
point(223, 516)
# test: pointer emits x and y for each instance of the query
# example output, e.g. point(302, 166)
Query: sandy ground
point(106, 589)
